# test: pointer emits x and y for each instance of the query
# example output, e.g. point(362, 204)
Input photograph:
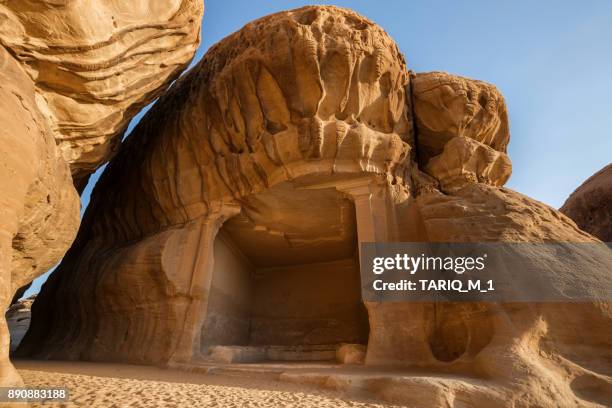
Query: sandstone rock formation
point(590, 206)
point(465, 160)
point(18, 320)
point(20, 292)
point(229, 224)
point(39, 205)
point(267, 112)
point(72, 77)
point(448, 106)
point(109, 59)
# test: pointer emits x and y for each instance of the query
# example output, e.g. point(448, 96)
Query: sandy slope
point(114, 385)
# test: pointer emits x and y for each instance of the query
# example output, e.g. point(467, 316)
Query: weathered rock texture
point(72, 76)
point(38, 203)
point(590, 206)
point(448, 106)
point(294, 96)
point(230, 221)
point(96, 65)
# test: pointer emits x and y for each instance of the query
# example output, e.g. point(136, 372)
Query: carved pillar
point(199, 287)
point(374, 213)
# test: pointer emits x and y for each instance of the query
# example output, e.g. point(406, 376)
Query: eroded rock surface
point(96, 65)
point(532, 348)
point(38, 203)
point(590, 206)
point(464, 161)
point(72, 76)
point(291, 100)
point(230, 221)
point(447, 106)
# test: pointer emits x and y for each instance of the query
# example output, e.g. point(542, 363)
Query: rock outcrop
point(18, 320)
point(292, 96)
point(72, 77)
point(448, 106)
point(107, 61)
point(39, 205)
point(590, 206)
point(20, 292)
point(230, 223)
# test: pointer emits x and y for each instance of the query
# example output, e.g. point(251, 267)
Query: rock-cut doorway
point(286, 279)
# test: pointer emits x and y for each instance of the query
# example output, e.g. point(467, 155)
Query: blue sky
point(552, 60)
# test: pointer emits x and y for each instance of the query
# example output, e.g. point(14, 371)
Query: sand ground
point(100, 385)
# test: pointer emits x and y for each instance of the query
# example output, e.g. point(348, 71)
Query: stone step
point(256, 354)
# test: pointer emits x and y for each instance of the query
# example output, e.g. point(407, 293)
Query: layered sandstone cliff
point(72, 76)
point(590, 206)
point(233, 216)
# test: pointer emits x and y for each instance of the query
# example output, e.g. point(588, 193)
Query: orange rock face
point(110, 59)
point(40, 207)
point(72, 77)
point(447, 106)
point(228, 226)
point(590, 206)
point(289, 102)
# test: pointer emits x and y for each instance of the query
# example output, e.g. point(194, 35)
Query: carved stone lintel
point(369, 194)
